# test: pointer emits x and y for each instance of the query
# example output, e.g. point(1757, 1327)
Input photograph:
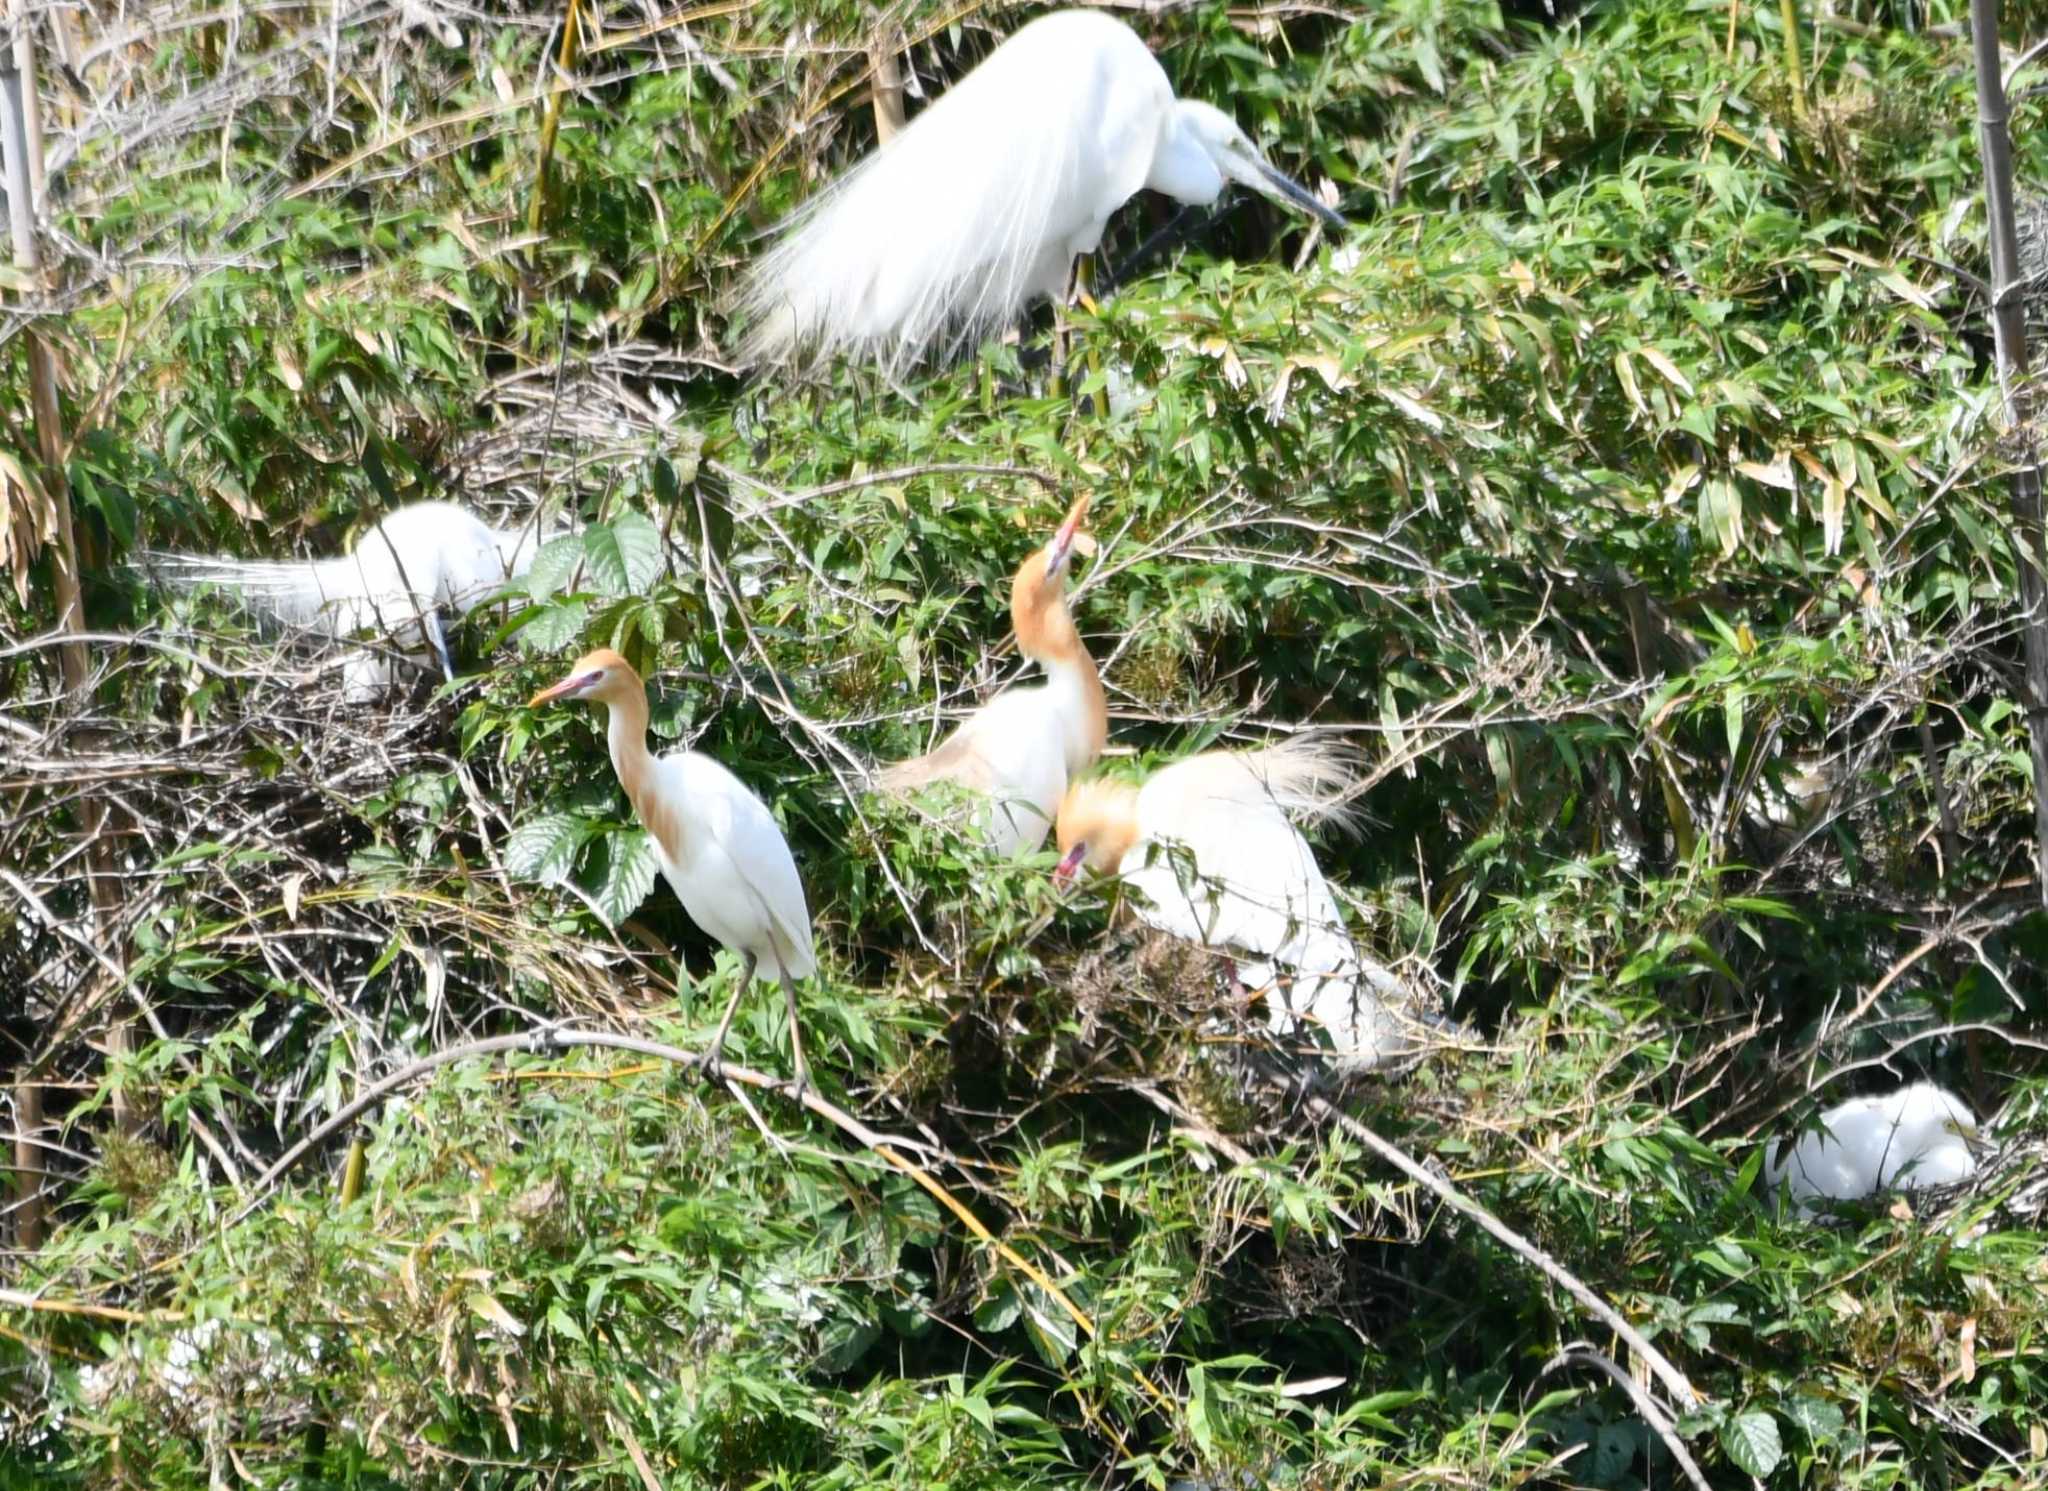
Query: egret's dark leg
point(714, 1066)
point(796, 1035)
point(1177, 230)
point(1084, 275)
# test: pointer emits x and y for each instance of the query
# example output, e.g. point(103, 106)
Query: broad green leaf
point(1752, 1443)
point(553, 565)
point(625, 554)
point(545, 848)
point(629, 872)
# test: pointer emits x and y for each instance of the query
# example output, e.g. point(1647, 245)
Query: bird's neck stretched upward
point(1047, 635)
point(1072, 685)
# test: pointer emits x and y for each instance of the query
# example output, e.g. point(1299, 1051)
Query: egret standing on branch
point(947, 232)
point(1209, 847)
point(719, 847)
point(1021, 748)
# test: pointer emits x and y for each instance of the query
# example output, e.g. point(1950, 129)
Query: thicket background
point(1627, 487)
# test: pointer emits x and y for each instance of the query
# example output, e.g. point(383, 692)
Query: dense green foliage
point(1627, 484)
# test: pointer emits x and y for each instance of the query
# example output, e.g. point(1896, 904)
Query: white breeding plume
point(1917, 1136)
point(948, 231)
point(414, 563)
point(1211, 850)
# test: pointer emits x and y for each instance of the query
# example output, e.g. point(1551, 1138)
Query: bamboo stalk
point(21, 136)
point(1795, 72)
point(2009, 337)
point(551, 120)
point(885, 92)
point(28, 1165)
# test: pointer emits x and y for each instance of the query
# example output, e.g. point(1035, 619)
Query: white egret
point(948, 231)
point(1022, 747)
point(395, 581)
point(719, 847)
point(1210, 850)
point(1918, 1136)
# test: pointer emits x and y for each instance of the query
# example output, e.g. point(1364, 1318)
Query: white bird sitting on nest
point(1916, 1137)
point(394, 583)
point(947, 232)
point(1209, 846)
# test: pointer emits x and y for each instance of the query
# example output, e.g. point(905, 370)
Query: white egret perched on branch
point(395, 581)
point(948, 231)
point(1210, 849)
point(719, 847)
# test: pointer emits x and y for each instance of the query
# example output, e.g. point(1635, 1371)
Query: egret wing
point(945, 233)
point(735, 853)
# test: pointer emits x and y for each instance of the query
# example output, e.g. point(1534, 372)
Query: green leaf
point(1752, 1443)
point(553, 565)
point(625, 554)
point(1818, 1419)
point(1000, 1310)
point(545, 849)
point(1201, 1410)
point(1051, 1329)
point(629, 871)
point(551, 628)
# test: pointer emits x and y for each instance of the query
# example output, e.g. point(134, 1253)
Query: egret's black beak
point(1281, 187)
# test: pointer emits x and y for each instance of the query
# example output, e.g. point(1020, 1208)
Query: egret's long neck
point(1046, 634)
point(626, 734)
point(1075, 689)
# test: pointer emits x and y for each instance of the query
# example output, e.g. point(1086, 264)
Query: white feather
point(1916, 1136)
point(1016, 750)
point(733, 871)
point(418, 560)
point(947, 232)
point(1218, 862)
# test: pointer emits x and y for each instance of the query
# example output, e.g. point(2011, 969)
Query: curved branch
point(1583, 1354)
point(1674, 1380)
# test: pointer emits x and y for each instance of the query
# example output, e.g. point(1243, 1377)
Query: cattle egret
point(1022, 746)
point(1915, 1137)
point(1209, 847)
point(947, 232)
point(401, 574)
point(719, 847)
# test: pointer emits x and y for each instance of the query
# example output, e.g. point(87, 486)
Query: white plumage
point(1012, 751)
point(1209, 848)
point(719, 847)
point(393, 583)
point(1917, 1136)
point(948, 231)
point(730, 866)
point(1021, 748)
